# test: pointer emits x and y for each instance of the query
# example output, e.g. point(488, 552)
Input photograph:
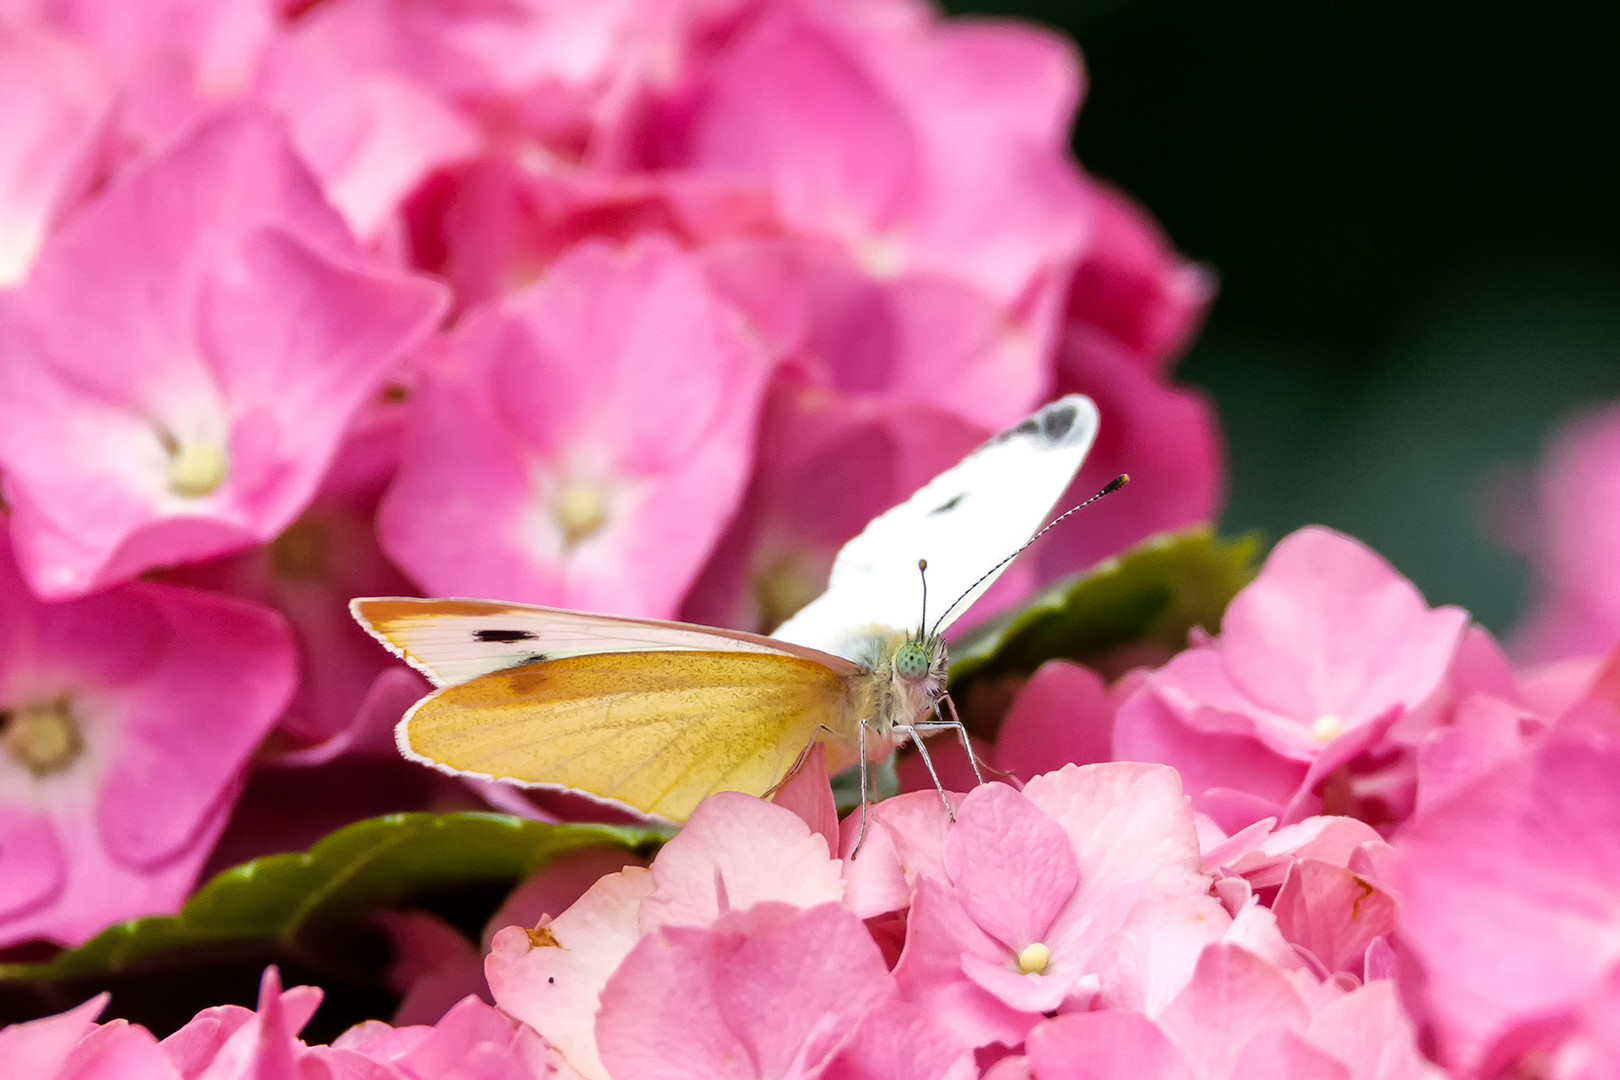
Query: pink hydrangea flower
point(1578, 554)
point(246, 335)
point(766, 991)
point(1238, 1017)
point(1014, 909)
point(229, 1042)
point(126, 722)
point(1532, 845)
point(735, 852)
point(583, 442)
point(1316, 660)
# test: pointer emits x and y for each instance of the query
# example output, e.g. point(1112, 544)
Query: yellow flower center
point(1326, 728)
point(44, 738)
point(196, 469)
point(579, 511)
point(1034, 958)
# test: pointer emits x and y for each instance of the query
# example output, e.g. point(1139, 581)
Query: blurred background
point(1414, 212)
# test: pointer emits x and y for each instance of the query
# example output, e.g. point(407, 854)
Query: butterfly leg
point(916, 737)
point(955, 724)
point(860, 837)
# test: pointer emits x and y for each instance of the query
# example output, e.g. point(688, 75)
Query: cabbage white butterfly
point(656, 716)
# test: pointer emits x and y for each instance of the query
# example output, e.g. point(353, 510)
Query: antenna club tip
point(922, 564)
point(1118, 482)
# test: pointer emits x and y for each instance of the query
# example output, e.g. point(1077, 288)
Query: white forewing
point(964, 521)
point(456, 641)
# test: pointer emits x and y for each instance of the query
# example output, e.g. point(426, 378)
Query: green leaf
point(1135, 607)
point(308, 911)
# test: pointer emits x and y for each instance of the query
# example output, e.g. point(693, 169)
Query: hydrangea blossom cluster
point(637, 307)
point(1230, 912)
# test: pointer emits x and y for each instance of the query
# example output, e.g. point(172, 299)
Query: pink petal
point(1280, 1054)
point(940, 935)
point(1329, 628)
point(1332, 913)
point(119, 1050)
point(1011, 867)
point(1534, 845)
point(902, 1042)
point(1369, 1031)
point(905, 843)
point(1127, 822)
point(552, 978)
point(788, 105)
point(32, 866)
point(53, 105)
point(736, 851)
point(40, 1047)
point(186, 730)
point(529, 403)
point(1103, 1046)
point(1234, 996)
point(267, 339)
point(808, 793)
point(1210, 765)
point(773, 991)
point(1062, 715)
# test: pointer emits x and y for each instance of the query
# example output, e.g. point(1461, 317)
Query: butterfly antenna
point(1108, 489)
point(922, 572)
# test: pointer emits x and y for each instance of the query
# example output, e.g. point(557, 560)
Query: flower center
point(196, 469)
point(1034, 958)
point(579, 511)
point(300, 553)
point(44, 737)
point(1326, 728)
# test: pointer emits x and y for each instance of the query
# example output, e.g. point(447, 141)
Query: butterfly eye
point(911, 661)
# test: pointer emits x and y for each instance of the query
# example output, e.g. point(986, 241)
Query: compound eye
point(911, 662)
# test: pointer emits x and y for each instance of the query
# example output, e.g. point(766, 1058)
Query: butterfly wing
point(656, 731)
point(455, 641)
point(963, 522)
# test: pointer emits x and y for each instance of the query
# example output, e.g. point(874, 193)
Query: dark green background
point(1414, 211)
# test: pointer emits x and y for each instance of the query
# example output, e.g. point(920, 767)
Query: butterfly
point(656, 716)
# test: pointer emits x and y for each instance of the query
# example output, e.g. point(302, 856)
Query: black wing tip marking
point(503, 637)
point(1052, 424)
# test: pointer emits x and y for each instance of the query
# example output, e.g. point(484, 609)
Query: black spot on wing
point(1052, 424)
point(531, 658)
point(949, 504)
point(502, 636)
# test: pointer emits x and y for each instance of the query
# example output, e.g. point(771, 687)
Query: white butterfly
point(656, 716)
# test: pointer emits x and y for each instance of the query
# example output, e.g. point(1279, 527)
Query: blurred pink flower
point(308, 573)
point(1317, 658)
point(1578, 555)
point(53, 116)
point(581, 443)
point(1533, 845)
point(370, 133)
point(245, 336)
point(126, 722)
point(805, 500)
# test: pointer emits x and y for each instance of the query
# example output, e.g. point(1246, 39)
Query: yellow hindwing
point(656, 731)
